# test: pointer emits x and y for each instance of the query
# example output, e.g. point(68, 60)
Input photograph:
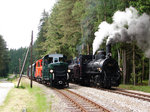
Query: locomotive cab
point(56, 70)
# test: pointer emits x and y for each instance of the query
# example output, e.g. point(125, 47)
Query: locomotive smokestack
point(108, 50)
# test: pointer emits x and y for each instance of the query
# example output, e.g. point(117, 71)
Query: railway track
point(79, 103)
point(141, 96)
point(130, 94)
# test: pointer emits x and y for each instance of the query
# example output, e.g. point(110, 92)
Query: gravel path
point(114, 102)
point(4, 89)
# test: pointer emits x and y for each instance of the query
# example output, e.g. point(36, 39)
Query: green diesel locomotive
point(51, 69)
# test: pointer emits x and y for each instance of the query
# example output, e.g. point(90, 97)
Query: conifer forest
point(69, 28)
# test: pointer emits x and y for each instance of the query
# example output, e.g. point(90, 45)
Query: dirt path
point(3, 80)
point(4, 89)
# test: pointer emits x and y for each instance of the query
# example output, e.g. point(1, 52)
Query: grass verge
point(138, 88)
point(25, 98)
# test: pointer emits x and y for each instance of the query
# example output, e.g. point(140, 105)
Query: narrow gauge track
point(130, 94)
point(81, 103)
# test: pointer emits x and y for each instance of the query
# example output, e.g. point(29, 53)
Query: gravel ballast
point(112, 101)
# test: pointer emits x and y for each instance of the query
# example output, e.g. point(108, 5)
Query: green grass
point(24, 97)
point(8, 79)
point(5, 76)
point(145, 82)
point(39, 104)
point(11, 79)
point(2, 77)
point(138, 88)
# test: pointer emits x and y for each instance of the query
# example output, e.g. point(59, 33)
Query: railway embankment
point(42, 98)
point(115, 102)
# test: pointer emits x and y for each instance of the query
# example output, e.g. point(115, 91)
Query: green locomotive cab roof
point(53, 58)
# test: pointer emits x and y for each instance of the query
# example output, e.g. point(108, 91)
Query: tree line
point(16, 60)
point(69, 29)
point(4, 58)
point(11, 60)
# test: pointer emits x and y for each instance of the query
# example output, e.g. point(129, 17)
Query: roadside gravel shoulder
point(5, 87)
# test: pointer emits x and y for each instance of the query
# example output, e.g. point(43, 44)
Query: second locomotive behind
point(99, 70)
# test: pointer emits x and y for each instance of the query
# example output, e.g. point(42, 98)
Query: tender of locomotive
point(99, 70)
point(51, 69)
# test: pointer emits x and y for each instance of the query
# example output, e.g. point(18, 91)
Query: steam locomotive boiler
point(99, 70)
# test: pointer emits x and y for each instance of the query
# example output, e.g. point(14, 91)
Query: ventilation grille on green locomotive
point(60, 70)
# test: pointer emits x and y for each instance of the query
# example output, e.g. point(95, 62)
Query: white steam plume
point(127, 26)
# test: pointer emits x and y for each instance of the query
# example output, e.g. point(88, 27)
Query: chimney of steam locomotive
point(108, 51)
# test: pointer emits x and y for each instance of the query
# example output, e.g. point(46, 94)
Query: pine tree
point(4, 58)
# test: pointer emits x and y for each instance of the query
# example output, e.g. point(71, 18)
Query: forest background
point(69, 29)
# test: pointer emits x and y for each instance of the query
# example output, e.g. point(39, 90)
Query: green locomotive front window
point(56, 60)
point(61, 59)
point(50, 60)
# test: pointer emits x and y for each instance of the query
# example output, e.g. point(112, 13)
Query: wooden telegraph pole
point(149, 74)
point(25, 62)
point(23, 67)
point(19, 65)
point(31, 58)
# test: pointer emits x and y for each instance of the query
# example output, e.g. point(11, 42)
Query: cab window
point(50, 60)
point(61, 59)
point(56, 60)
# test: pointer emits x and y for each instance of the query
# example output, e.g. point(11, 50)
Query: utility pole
point(25, 62)
point(23, 67)
point(31, 58)
point(149, 74)
point(19, 65)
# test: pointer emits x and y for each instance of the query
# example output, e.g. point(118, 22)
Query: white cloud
point(19, 17)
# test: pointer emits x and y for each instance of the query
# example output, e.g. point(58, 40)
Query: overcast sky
point(19, 17)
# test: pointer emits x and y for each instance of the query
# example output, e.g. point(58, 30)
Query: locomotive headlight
point(51, 71)
point(69, 71)
point(99, 69)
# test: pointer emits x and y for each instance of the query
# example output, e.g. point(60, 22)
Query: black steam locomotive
point(99, 70)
